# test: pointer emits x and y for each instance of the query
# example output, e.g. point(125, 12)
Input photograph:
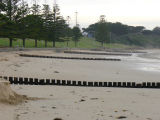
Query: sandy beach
point(77, 103)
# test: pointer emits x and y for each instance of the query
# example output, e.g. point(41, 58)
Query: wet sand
point(77, 103)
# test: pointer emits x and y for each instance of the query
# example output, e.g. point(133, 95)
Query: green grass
point(83, 43)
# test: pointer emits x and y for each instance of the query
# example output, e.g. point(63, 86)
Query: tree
point(33, 27)
point(68, 34)
point(7, 28)
point(91, 29)
point(139, 29)
point(47, 18)
point(76, 35)
point(2, 6)
point(10, 8)
point(56, 26)
point(56, 18)
point(118, 28)
point(23, 11)
point(17, 20)
point(101, 33)
point(147, 32)
point(35, 9)
point(156, 30)
point(35, 23)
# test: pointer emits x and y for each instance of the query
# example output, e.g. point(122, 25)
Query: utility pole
point(68, 22)
point(76, 18)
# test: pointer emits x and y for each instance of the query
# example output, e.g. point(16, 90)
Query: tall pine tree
point(10, 8)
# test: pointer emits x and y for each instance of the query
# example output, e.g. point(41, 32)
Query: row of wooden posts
point(36, 81)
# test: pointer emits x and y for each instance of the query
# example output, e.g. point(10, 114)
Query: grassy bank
point(83, 43)
point(147, 41)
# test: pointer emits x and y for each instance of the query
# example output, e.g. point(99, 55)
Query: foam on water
point(149, 62)
point(146, 62)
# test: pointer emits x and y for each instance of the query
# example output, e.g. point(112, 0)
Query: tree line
point(108, 32)
point(19, 21)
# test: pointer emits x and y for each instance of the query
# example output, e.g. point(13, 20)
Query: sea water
point(149, 61)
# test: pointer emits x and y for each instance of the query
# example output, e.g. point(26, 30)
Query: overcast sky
point(132, 12)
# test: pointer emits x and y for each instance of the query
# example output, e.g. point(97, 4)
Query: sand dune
point(8, 96)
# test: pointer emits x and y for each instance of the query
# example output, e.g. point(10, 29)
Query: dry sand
point(79, 103)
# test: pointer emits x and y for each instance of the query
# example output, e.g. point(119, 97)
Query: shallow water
point(147, 62)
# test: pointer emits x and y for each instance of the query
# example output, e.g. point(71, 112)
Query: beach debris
point(57, 119)
point(53, 107)
point(56, 72)
point(94, 98)
point(17, 117)
point(149, 119)
point(82, 100)
point(121, 117)
point(111, 116)
point(3, 59)
point(124, 110)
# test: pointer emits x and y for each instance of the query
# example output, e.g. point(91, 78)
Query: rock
point(121, 117)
